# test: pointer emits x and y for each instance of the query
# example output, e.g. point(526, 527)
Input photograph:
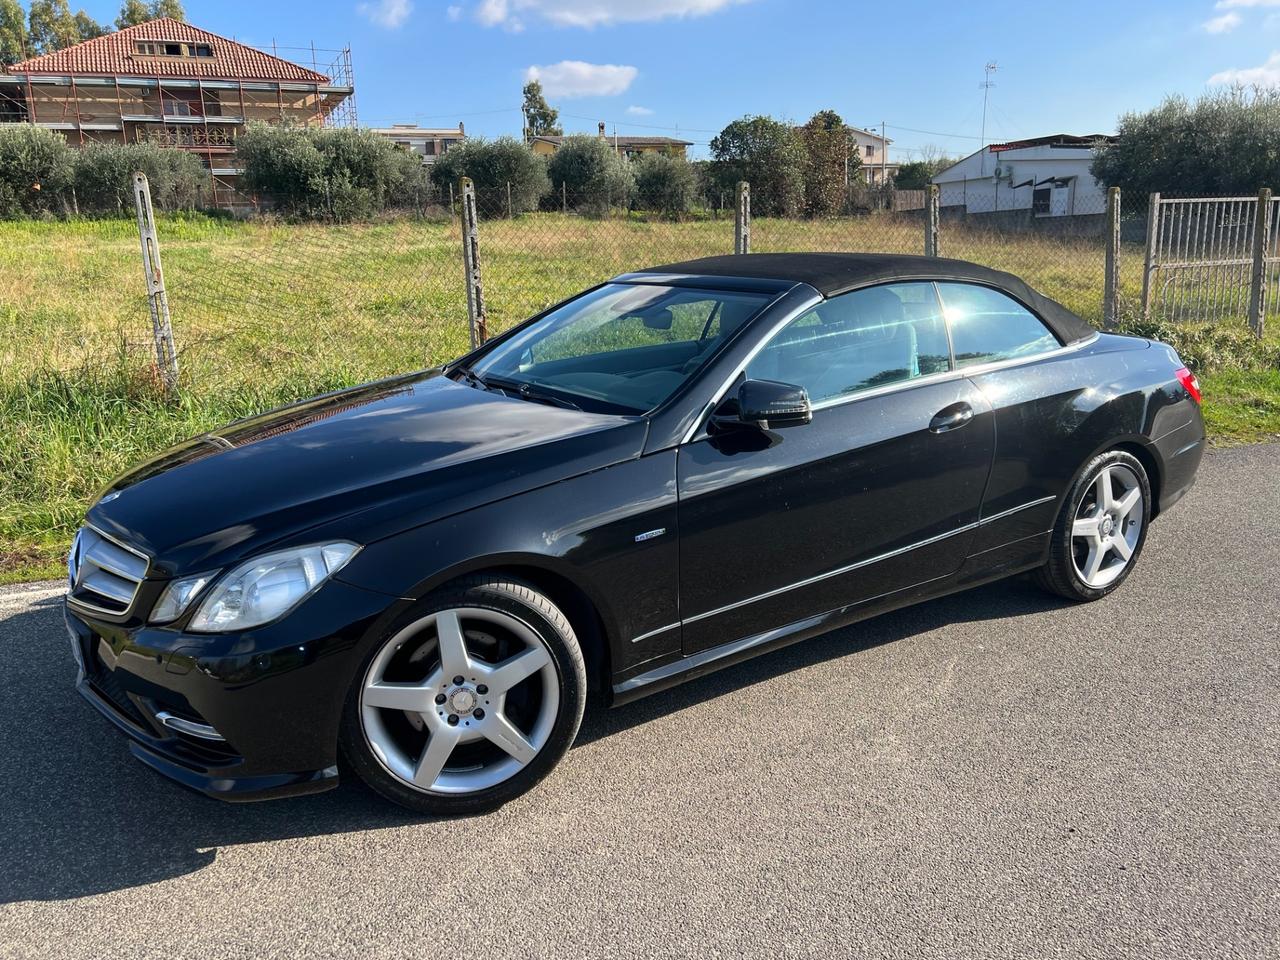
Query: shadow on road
point(81, 817)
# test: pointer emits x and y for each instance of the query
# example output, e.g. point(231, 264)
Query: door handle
point(951, 418)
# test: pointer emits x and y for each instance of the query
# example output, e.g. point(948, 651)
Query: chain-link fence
point(262, 303)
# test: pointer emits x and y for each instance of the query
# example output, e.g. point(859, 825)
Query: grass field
point(267, 313)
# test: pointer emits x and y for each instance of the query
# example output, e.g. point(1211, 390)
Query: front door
point(880, 492)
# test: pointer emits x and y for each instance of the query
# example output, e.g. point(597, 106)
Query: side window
point(987, 326)
point(859, 340)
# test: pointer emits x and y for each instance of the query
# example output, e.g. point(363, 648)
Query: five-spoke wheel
point(462, 704)
point(1101, 528)
point(1107, 526)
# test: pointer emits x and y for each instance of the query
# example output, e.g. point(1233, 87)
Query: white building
point(427, 143)
point(1046, 176)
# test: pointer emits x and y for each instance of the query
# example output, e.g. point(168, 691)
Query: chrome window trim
point(82, 558)
point(697, 430)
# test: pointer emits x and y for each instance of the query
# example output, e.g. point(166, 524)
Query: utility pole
point(986, 85)
point(884, 157)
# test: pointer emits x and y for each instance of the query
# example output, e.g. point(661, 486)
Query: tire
point(436, 746)
point(1117, 528)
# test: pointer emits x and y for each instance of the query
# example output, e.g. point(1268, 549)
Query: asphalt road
point(994, 774)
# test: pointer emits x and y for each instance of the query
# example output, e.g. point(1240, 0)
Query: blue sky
point(687, 67)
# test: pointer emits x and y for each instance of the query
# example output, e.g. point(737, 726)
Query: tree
point(492, 165)
point(591, 173)
point(1226, 143)
point(13, 33)
point(540, 118)
point(767, 154)
point(665, 183)
point(831, 162)
point(917, 174)
point(134, 12)
point(52, 26)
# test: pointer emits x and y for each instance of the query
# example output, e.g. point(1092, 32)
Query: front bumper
point(274, 694)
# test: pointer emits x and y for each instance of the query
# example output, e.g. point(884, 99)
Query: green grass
point(267, 313)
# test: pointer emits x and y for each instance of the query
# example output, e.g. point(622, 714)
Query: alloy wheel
point(1107, 526)
point(460, 701)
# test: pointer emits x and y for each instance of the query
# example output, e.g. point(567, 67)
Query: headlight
point(177, 597)
point(267, 587)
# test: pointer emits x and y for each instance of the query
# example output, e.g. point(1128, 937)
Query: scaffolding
point(199, 115)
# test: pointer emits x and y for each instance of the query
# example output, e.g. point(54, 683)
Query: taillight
point(1188, 380)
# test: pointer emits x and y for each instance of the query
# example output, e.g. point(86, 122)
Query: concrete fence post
point(1258, 272)
point(742, 219)
point(932, 225)
point(471, 265)
point(157, 296)
point(1111, 281)
point(1151, 264)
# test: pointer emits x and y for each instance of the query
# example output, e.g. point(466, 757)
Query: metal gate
point(1213, 259)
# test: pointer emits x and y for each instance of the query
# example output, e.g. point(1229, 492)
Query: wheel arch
point(574, 600)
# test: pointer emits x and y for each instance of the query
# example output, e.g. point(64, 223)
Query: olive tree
point(36, 171)
point(492, 165)
point(591, 173)
point(1225, 143)
point(665, 183)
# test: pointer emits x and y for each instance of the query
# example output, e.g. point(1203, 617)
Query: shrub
point(104, 177)
point(1207, 347)
point(36, 168)
point(326, 173)
point(595, 177)
point(831, 161)
point(492, 165)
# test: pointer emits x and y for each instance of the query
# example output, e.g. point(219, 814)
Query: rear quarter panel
point(1054, 415)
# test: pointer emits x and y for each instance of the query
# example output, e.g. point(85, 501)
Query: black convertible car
point(672, 471)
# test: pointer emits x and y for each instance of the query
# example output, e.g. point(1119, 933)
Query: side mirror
point(766, 405)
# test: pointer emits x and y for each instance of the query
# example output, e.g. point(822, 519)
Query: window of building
point(987, 326)
point(871, 150)
point(158, 48)
point(1040, 201)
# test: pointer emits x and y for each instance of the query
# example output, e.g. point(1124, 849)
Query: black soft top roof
point(835, 273)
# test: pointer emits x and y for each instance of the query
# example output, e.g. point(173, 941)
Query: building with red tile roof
point(171, 83)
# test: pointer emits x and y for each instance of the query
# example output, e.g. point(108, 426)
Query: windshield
point(622, 348)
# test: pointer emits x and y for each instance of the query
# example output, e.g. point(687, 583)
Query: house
point(173, 84)
point(1044, 177)
point(427, 142)
point(629, 147)
point(873, 150)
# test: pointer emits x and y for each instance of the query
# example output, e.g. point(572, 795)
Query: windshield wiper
point(526, 391)
point(471, 377)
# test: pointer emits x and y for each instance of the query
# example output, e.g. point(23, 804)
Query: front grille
point(105, 574)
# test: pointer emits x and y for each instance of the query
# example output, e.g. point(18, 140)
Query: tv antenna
point(986, 85)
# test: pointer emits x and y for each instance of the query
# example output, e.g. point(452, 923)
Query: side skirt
point(717, 658)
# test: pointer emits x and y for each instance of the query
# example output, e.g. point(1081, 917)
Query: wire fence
point(269, 307)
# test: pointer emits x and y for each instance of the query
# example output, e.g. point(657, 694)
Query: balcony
point(189, 138)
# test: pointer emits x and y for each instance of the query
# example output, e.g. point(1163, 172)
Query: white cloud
point(387, 13)
point(639, 111)
point(1222, 24)
point(1232, 4)
point(1267, 75)
point(594, 13)
point(453, 14)
point(573, 78)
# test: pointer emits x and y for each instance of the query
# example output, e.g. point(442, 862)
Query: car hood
point(378, 458)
